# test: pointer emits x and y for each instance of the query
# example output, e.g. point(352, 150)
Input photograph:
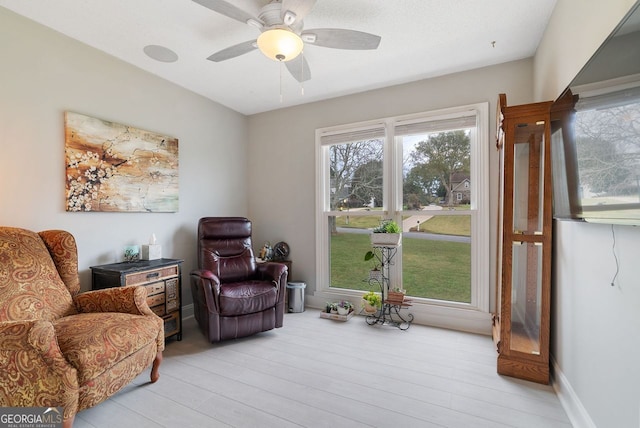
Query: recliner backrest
point(224, 248)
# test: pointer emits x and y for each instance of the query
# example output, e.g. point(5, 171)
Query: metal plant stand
point(389, 313)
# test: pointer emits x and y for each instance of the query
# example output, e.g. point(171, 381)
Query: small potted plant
point(344, 307)
point(371, 302)
point(387, 234)
point(396, 296)
point(333, 308)
point(375, 273)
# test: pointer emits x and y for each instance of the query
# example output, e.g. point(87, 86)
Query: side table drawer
point(154, 288)
point(171, 292)
point(155, 300)
point(151, 275)
point(158, 310)
point(171, 324)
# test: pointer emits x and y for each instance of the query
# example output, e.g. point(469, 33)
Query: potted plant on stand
point(375, 273)
point(387, 234)
point(371, 302)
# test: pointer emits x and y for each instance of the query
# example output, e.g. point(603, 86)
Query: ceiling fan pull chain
point(302, 74)
point(280, 82)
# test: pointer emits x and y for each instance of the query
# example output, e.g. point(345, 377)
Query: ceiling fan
point(282, 36)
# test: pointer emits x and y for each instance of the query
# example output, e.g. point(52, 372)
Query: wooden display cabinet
point(521, 324)
point(162, 279)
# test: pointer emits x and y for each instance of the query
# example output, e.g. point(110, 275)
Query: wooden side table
point(162, 279)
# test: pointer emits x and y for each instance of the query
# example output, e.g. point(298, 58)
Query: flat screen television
point(595, 140)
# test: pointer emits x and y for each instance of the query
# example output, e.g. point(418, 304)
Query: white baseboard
point(187, 311)
point(452, 318)
point(572, 405)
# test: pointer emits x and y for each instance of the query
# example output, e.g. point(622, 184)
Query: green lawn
point(433, 269)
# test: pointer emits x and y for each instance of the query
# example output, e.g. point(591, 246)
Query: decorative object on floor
point(338, 311)
point(386, 234)
point(60, 347)
point(233, 296)
point(152, 251)
point(282, 38)
point(113, 167)
point(393, 299)
point(344, 307)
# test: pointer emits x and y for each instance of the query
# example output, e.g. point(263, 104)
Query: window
point(428, 172)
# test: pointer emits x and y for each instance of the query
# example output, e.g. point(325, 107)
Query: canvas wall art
point(118, 168)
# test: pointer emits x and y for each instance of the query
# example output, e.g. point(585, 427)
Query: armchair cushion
point(94, 342)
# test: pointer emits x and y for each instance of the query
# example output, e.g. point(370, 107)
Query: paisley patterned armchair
point(59, 348)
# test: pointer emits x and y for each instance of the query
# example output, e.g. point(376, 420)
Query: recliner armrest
point(272, 271)
point(205, 284)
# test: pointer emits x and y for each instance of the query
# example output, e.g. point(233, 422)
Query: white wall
point(43, 74)
point(576, 30)
point(282, 150)
point(594, 338)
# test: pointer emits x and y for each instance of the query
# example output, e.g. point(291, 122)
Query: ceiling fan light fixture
point(280, 44)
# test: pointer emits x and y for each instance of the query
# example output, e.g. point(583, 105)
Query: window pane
point(436, 257)
point(349, 241)
point(436, 169)
point(436, 252)
point(355, 171)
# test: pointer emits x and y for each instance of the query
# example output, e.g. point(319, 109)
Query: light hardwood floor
point(315, 372)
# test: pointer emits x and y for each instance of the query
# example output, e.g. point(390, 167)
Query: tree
point(436, 159)
point(344, 160)
point(367, 183)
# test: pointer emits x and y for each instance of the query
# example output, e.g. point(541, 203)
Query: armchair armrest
point(47, 380)
point(130, 300)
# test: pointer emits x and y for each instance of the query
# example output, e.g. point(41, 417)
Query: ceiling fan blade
point(341, 39)
point(227, 9)
point(299, 7)
point(233, 51)
point(299, 68)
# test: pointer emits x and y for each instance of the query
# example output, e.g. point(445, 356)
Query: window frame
point(392, 204)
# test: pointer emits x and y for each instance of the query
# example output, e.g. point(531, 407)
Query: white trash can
point(295, 296)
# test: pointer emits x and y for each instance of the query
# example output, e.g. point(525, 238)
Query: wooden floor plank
point(316, 372)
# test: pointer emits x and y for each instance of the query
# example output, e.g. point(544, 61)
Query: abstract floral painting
point(118, 168)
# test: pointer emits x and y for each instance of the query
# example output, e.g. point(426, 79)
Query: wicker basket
point(395, 297)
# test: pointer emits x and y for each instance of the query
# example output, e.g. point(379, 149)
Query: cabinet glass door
point(528, 195)
point(526, 292)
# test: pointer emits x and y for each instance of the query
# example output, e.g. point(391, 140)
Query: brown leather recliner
point(233, 296)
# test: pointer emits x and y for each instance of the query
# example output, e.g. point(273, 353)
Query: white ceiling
point(420, 39)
